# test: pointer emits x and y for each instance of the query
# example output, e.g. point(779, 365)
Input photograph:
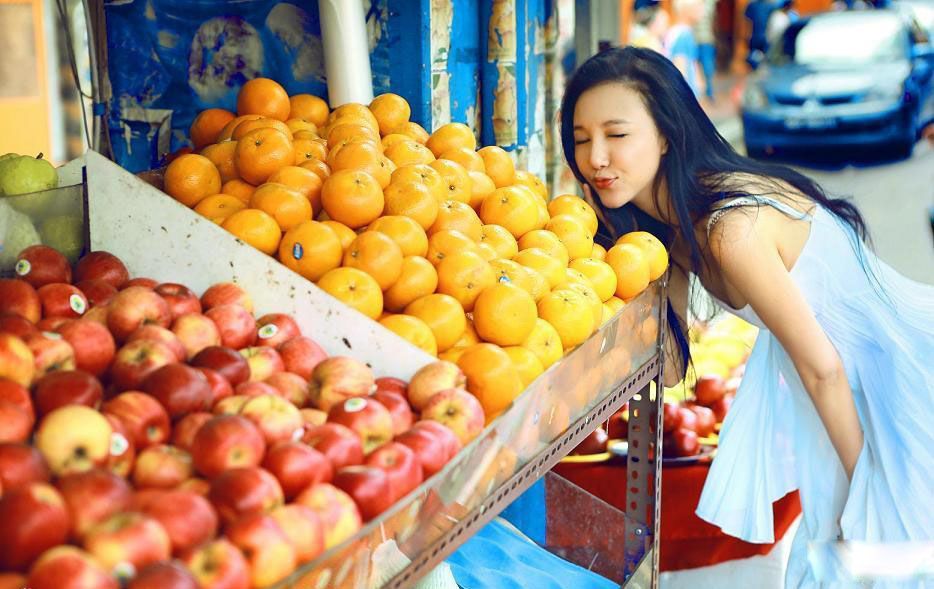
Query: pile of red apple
point(686, 422)
point(157, 439)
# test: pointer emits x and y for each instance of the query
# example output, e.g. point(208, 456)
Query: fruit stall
point(268, 340)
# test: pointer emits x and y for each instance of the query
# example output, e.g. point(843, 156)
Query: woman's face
point(617, 146)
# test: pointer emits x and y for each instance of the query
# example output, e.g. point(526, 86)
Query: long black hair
point(699, 165)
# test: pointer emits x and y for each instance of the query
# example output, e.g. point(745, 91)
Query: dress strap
point(754, 200)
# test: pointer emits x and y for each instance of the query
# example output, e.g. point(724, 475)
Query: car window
point(844, 39)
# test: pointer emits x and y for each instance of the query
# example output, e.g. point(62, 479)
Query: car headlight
point(887, 92)
point(754, 97)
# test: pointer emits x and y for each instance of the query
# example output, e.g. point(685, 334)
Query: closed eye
point(617, 135)
point(580, 141)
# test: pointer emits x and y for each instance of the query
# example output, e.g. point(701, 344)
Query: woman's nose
point(599, 158)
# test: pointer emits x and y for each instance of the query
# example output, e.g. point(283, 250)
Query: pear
point(64, 233)
point(24, 174)
point(16, 234)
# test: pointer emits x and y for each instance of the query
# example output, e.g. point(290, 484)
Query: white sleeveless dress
point(773, 441)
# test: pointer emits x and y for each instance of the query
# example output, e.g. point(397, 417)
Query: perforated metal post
point(644, 471)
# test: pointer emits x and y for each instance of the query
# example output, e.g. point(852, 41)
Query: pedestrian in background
point(650, 25)
point(757, 14)
point(779, 20)
point(706, 48)
point(680, 45)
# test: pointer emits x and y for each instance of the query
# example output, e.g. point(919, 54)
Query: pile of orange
point(448, 246)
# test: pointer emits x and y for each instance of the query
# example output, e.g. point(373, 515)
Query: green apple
point(26, 175)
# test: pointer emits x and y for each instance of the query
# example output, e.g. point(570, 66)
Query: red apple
point(122, 449)
point(155, 333)
point(164, 575)
point(188, 518)
point(264, 362)
point(62, 300)
point(181, 299)
point(301, 355)
point(721, 408)
point(15, 423)
point(339, 515)
point(297, 466)
point(21, 298)
point(227, 362)
point(50, 352)
point(97, 315)
point(275, 417)
point(161, 467)
point(220, 387)
point(40, 265)
point(225, 442)
point(339, 444)
point(233, 404)
point(685, 442)
point(671, 417)
point(16, 325)
point(142, 282)
point(16, 360)
point(67, 387)
point(303, 528)
point(434, 377)
point(32, 520)
point(136, 360)
point(104, 266)
point(457, 409)
point(706, 420)
point(74, 438)
point(18, 395)
point(92, 497)
point(196, 332)
point(313, 417)
point(401, 464)
point(218, 565)
point(275, 329)
point(618, 424)
point(236, 325)
point(133, 307)
point(369, 487)
point(268, 550)
point(68, 567)
point(21, 465)
point(245, 491)
point(254, 389)
point(50, 323)
point(195, 485)
point(97, 292)
point(688, 419)
point(399, 409)
point(368, 418)
point(290, 386)
point(594, 443)
point(183, 434)
point(337, 379)
point(392, 384)
point(443, 433)
point(428, 449)
point(92, 343)
point(14, 581)
point(145, 418)
point(128, 538)
point(226, 293)
point(181, 389)
point(709, 388)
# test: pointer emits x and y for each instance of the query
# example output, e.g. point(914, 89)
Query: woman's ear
point(663, 144)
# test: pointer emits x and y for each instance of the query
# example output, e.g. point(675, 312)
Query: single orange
point(354, 111)
point(260, 123)
point(456, 180)
point(586, 290)
point(413, 130)
point(309, 107)
point(417, 279)
point(262, 96)
point(345, 234)
point(469, 337)
point(404, 153)
point(511, 208)
point(391, 111)
point(412, 329)
point(301, 180)
point(306, 149)
point(452, 354)
point(219, 206)
point(296, 125)
point(512, 273)
point(486, 251)
point(317, 166)
point(223, 156)
point(190, 178)
point(653, 249)
point(458, 216)
point(465, 157)
point(480, 188)
point(538, 284)
point(532, 181)
point(464, 275)
point(504, 314)
point(600, 274)
point(261, 153)
point(228, 130)
point(526, 362)
point(570, 313)
point(363, 156)
point(405, 231)
point(255, 228)
point(422, 174)
point(450, 136)
point(444, 243)
point(632, 269)
point(500, 239)
point(376, 254)
point(443, 314)
point(344, 132)
point(491, 377)
point(311, 249)
point(569, 204)
point(288, 207)
point(548, 241)
point(498, 165)
point(236, 187)
point(393, 138)
point(208, 125)
point(355, 288)
point(545, 343)
point(573, 234)
point(549, 266)
point(413, 200)
point(598, 252)
point(352, 197)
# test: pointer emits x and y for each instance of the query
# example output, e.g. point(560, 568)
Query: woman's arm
point(750, 262)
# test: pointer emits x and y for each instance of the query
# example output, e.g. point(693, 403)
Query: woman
point(836, 400)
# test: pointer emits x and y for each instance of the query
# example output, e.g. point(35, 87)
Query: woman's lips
point(603, 183)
